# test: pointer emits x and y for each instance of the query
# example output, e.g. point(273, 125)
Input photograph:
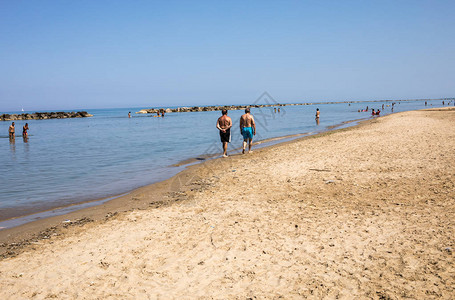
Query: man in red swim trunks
point(224, 125)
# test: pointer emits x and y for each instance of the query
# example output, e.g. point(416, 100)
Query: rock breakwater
point(240, 107)
point(45, 115)
point(203, 108)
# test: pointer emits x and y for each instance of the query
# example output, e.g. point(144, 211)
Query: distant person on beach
point(317, 113)
point(25, 130)
point(278, 109)
point(11, 131)
point(372, 112)
point(129, 115)
point(224, 125)
point(248, 129)
point(425, 103)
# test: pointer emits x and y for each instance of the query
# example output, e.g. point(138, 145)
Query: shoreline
point(358, 212)
point(22, 235)
point(67, 199)
point(48, 212)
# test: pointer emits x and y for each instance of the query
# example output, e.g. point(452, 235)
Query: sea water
point(68, 161)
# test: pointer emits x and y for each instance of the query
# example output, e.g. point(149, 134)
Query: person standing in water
point(247, 129)
point(224, 125)
point(11, 131)
point(25, 130)
point(317, 113)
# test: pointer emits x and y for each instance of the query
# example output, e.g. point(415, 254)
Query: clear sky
point(58, 55)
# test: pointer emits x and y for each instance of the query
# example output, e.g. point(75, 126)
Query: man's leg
point(249, 145)
point(225, 145)
point(244, 146)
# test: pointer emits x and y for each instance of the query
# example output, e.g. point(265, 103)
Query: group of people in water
point(224, 124)
point(159, 113)
point(12, 131)
point(378, 111)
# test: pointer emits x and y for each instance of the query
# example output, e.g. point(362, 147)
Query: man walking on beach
point(224, 125)
point(11, 131)
point(247, 129)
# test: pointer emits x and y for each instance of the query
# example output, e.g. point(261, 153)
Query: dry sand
point(365, 213)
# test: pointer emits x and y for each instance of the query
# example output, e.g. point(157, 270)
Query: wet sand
point(363, 212)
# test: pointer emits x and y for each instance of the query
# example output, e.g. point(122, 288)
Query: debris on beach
point(77, 222)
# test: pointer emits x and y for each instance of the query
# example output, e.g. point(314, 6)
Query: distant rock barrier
point(45, 115)
point(241, 107)
point(203, 108)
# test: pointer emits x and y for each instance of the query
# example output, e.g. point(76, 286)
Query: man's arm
point(253, 124)
point(241, 124)
point(218, 124)
point(230, 123)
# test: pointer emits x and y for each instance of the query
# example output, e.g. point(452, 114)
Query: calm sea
point(66, 161)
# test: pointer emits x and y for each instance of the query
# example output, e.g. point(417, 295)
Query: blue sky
point(98, 54)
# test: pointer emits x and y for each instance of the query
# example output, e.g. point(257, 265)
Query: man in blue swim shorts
point(247, 129)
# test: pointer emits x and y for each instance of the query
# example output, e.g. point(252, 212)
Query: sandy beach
point(366, 212)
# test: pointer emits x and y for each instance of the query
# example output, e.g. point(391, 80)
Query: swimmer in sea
point(11, 131)
point(247, 129)
point(224, 124)
point(25, 130)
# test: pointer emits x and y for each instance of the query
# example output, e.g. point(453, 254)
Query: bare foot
point(251, 151)
point(224, 155)
point(243, 151)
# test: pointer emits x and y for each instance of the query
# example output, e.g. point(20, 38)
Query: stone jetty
point(241, 107)
point(45, 115)
point(203, 108)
